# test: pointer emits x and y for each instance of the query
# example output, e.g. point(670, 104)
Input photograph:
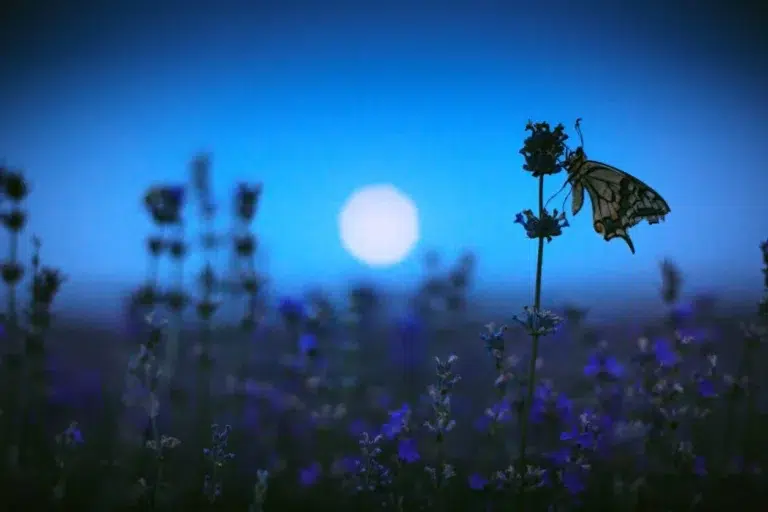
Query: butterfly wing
point(576, 161)
point(619, 200)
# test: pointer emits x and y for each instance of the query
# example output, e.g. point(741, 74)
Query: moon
point(378, 225)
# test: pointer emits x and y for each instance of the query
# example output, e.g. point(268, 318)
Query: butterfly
point(619, 200)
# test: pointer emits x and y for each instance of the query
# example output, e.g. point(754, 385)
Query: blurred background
point(317, 99)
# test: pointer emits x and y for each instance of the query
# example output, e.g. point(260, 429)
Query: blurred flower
point(308, 344)
point(357, 426)
point(500, 411)
point(292, 311)
point(398, 422)
point(494, 342)
point(381, 398)
point(671, 281)
point(407, 450)
point(247, 200)
point(410, 347)
point(13, 185)
point(343, 466)
point(71, 437)
point(707, 388)
point(493, 416)
point(477, 482)
point(363, 299)
point(201, 174)
point(573, 480)
point(309, 475)
point(575, 316)
point(549, 405)
point(603, 367)
point(328, 414)
point(664, 353)
point(166, 443)
point(164, 204)
point(682, 311)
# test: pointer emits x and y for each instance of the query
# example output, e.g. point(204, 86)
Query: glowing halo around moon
point(378, 225)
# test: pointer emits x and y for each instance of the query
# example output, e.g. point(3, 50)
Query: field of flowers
point(312, 403)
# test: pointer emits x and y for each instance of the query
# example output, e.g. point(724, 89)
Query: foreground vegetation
point(365, 409)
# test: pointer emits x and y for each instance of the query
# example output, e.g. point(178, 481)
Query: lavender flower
point(538, 322)
point(547, 227)
point(217, 456)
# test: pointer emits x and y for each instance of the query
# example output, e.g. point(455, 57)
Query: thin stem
point(12, 259)
point(17, 378)
point(730, 420)
point(534, 350)
point(158, 463)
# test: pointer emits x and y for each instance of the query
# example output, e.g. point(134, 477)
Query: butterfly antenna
point(556, 193)
point(565, 199)
point(578, 130)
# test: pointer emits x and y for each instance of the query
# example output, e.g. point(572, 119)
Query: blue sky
point(318, 98)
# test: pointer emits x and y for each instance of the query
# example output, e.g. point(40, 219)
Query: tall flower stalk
point(176, 299)
point(13, 190)
point(246, 282)
point(543, 152)
point(44, 286)
point(208, 284)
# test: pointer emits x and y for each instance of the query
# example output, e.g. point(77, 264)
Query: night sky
point(315, 99)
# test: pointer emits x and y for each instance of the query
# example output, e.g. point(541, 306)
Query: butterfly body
point(619, 200)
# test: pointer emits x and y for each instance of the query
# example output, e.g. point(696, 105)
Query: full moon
point(378, 225)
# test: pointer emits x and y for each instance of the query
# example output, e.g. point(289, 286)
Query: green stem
point(534, 351)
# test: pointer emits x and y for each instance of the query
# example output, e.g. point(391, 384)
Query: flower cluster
point(440, 397)
point(538, 322)
point(164, 204)
point(217, 456)
point(543, 149)
point(367, 473)
point(547, 227)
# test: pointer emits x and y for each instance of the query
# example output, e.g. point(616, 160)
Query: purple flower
point(573, 481)
point(560, 456)
point(482, 424)
point(176, 194)
point(383, 400)
point(73, 436)
point(699, 466)
point(665, 356)
point(251, 416)
point(545, 406)
point(357, 426)
point(603, 367)
point(407, 450)
point(706, 388)
point(409, 347)
point(500, 411)
point(682, 311)
point(291, 310)
point(307, 343)
point(397, 421)
point(345, 466)
point(310, 475)
point(477, 482)
point(582, 439)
